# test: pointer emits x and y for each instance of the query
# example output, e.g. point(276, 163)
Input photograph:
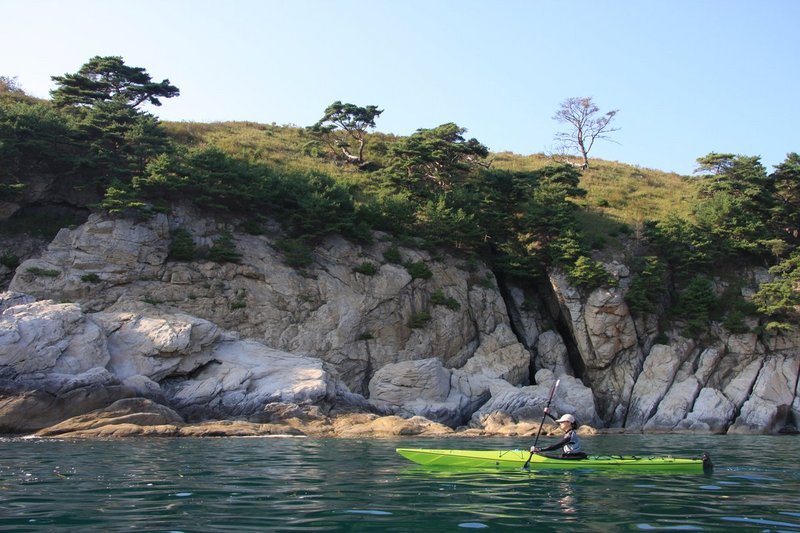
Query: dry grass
point(617, 194)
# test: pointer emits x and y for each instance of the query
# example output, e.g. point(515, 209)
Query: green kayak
point(518, 458)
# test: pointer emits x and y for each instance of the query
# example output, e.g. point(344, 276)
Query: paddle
point(549, 399)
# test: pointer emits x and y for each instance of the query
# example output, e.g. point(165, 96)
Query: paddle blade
point(553, 390)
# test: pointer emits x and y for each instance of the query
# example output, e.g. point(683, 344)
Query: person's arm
point(556, 446)
point(547, 412)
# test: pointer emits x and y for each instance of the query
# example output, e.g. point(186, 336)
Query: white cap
point(566, 418)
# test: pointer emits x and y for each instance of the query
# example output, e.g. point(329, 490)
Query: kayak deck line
point(518, 458)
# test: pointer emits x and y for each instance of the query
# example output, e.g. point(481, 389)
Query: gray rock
point(768, 407)
point(712, 413)
point(660, 368)
point(552, 354)
point(418, 388)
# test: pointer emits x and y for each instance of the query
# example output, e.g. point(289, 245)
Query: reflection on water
point(339, 485)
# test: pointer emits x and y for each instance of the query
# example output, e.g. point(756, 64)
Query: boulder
point(657, 376)
point(27, 408)
point(552, 354)
point(609, 326)
point(154, 344)
point(237, 428)
point(707, 363)
point(525, 405)
point(526, 315)
point(11, 299)
point(510, 405)
point(131, 411)
point(242, 376)
point(712, 412)
point(365, 425)
point(44, 337)
point(418, 388)
point(738, 388)
point(768, 407)
point(675, 405)
point(499, 356)
point(572, 397)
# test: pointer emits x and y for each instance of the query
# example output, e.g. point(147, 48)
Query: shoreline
point(345, 427)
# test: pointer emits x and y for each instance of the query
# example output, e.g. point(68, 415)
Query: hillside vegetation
point(622, 193)
point(436, 188)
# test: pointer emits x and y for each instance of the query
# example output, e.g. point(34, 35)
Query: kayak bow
point(517, 459)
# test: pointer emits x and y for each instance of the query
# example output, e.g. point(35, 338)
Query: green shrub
point(661, 338)
point(684, 247)
point(120, 200)
point(779, 299)
point(392, 255)
point(485, 281)
point(734, 322)
point(241, 304)
point(597, 242)
point(367, 268)
point(182, 247)
point(735, 310)
point(588, 274)
point(365, 336)
point(295, 252)
point(91, 277)
point(418, 270)
point(647, 286)
point(695, 304)
point(9, 260)
point(36, 271)
point(471, 265)
point(252, 227)
point(419, 320)
point(224, 250)
point(439, 298)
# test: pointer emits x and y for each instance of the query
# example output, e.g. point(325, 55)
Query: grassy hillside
point(617, 194)
point(623, 193)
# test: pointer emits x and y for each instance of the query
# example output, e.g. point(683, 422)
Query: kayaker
point(570, 445)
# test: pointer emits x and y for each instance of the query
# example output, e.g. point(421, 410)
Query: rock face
point(65, 362)
point(104, 315)
point(605, 337)
point(357, 322)
point(215, 340)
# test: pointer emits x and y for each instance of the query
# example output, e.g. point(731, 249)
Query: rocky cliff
point(103, 314)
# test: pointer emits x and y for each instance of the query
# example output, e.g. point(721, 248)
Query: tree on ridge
point(103, 79)
point(343, 123)
point(585, 126)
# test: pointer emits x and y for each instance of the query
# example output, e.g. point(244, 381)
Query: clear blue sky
point(688, 76)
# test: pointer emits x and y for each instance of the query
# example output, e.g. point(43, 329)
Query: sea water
point(298, 484)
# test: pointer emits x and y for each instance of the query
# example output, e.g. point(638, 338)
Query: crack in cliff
point(738, 408)
point(511, 309)
point(790, 418)
point(559, 323)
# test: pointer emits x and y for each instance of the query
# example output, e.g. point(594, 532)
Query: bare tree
point(8, 84)
point(586, 126)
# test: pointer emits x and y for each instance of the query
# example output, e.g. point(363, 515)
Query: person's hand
point(534, 449)
point(546, 409)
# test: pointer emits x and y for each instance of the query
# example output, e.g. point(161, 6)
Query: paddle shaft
point(536, 440)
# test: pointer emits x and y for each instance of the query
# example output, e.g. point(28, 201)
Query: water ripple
point(223, 485)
